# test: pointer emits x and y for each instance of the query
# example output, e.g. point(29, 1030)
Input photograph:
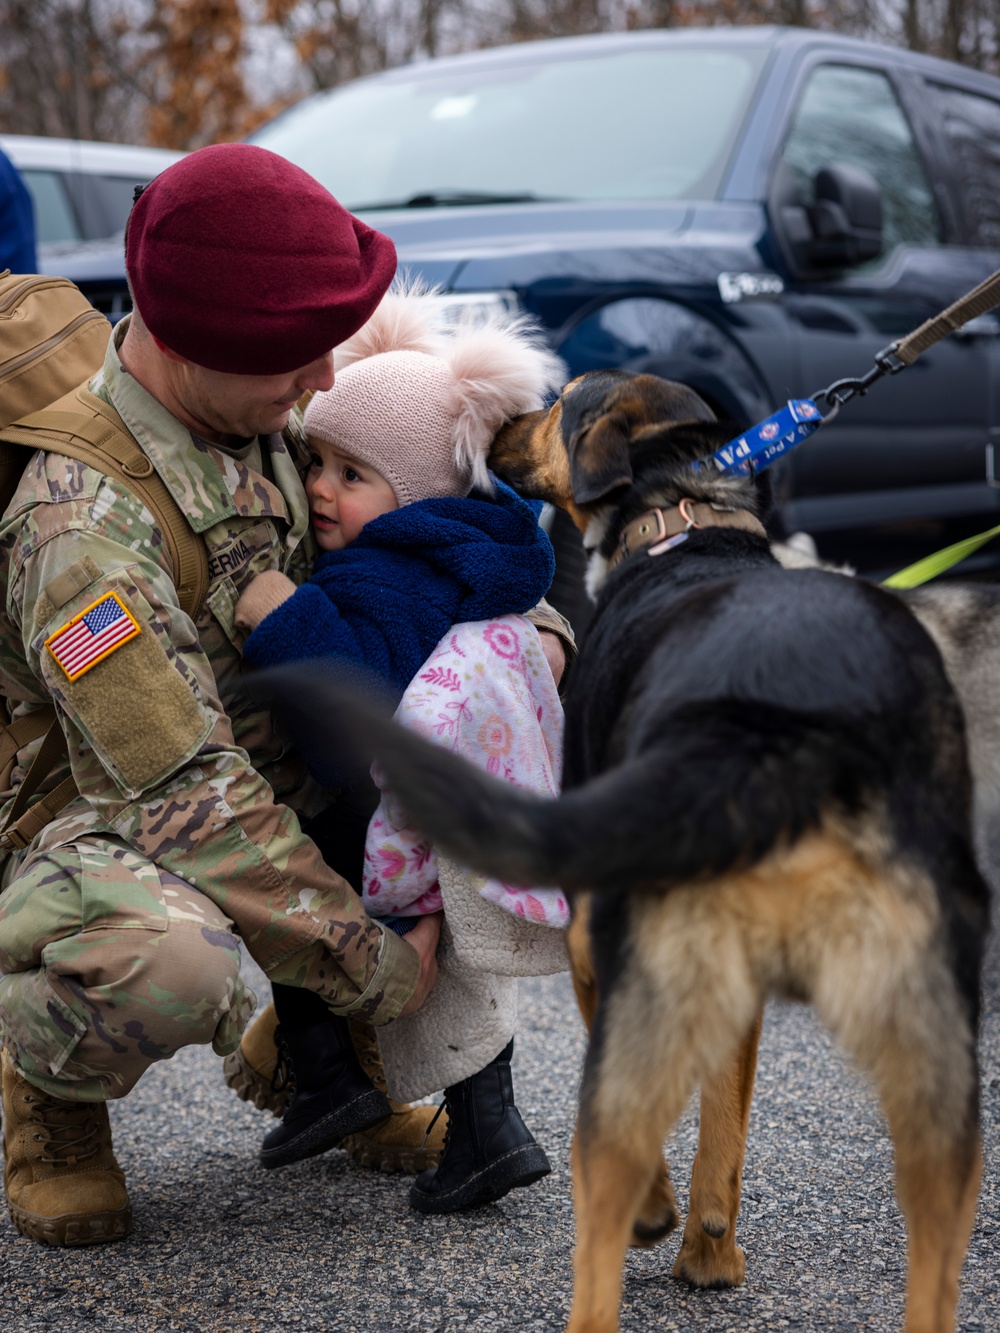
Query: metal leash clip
point(842, 391)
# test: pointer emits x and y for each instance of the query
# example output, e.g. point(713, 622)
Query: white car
point(82, 191)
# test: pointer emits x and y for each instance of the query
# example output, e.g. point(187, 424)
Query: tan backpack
point(51, 339)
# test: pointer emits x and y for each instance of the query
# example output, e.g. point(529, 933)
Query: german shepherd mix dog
point(766, 793)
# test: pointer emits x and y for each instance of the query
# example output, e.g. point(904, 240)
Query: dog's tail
point(722, 784)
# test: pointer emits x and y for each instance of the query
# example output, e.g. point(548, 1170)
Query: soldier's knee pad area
point(111, 966)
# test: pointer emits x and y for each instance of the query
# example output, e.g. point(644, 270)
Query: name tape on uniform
point(94, 634)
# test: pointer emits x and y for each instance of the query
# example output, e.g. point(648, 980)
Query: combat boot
point(63, 1184)
point(330, 1095)
point(253, 1070)
point(488, 1148)
point(410, 1140)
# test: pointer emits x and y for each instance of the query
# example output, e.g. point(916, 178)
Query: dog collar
point(659, 529)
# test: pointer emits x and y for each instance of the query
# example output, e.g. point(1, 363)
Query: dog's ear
point(677, 402)
point(599, 461)
point(597, 419)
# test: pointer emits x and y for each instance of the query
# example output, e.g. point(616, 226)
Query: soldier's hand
point(555, 653)
point(424, 938)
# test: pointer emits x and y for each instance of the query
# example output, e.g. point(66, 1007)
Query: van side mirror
point(846, 217)
point(841, 228)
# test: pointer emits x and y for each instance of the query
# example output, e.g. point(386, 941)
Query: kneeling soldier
point(119, 919)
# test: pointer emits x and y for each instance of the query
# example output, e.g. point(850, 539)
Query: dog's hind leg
point(581, 960)
point(709, 1255)
point(672, 1018)
point(907, 1013)
point(658, 1215)
point(626, 1113)
point(612, 1175)
point(929, 1094)
point(937, 1181)
point(927, 1081)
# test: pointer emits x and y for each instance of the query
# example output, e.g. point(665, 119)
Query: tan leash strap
point(974, 303)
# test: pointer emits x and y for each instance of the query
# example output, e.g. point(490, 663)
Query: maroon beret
point(242, 262)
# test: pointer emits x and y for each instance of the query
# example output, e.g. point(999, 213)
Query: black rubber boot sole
point(367, 1109)
point(516, 1169)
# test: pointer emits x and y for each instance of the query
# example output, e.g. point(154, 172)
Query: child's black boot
point(488, 1148)
point(331, 1095)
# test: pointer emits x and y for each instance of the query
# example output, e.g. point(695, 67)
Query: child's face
point(344, 494)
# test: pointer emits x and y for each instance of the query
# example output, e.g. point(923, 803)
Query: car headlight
point(474, 307)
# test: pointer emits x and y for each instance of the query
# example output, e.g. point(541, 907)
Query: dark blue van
point(754, 212)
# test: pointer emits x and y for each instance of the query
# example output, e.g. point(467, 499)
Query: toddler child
point(416, 538)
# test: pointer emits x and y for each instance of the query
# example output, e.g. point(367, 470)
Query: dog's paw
point(646, 1234)
point(705, 1261)
point(658, 1215)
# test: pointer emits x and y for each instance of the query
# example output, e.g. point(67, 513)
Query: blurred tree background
point(183, 73)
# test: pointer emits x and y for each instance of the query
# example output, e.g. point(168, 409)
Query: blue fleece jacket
point(384, 602)
point(17, 221)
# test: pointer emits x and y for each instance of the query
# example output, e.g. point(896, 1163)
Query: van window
point(117, 195)
point(54, 218)
point(851, 115)
point(971, 125)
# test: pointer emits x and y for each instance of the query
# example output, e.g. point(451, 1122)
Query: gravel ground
point(220, 1246)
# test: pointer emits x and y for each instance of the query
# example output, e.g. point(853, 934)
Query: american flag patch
point(92, 635)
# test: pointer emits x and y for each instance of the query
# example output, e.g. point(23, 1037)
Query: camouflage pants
point(109, 965)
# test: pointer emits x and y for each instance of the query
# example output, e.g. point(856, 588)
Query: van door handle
point(991, 476)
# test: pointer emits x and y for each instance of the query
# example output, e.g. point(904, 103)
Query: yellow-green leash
point(932, 565)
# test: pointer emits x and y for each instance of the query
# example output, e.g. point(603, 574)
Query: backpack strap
point(24, 820)
point(15, 735)
point(80, 425)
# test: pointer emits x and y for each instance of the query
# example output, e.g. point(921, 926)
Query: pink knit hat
point(421, 406)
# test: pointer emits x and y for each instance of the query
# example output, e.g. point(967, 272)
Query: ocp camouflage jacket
point(168, 750)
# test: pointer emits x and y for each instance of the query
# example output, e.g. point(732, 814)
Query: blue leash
point(766, 442)
point(769, 440)
point(763, 444)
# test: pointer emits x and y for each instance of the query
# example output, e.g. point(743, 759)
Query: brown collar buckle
point(645, 530)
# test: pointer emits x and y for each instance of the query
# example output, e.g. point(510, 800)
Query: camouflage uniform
point(118, 923)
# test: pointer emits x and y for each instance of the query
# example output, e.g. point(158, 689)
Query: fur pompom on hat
point(421, 405)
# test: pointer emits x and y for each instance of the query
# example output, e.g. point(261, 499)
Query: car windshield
point(637, 124)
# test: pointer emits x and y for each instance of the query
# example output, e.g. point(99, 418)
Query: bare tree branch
point(175, 72)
